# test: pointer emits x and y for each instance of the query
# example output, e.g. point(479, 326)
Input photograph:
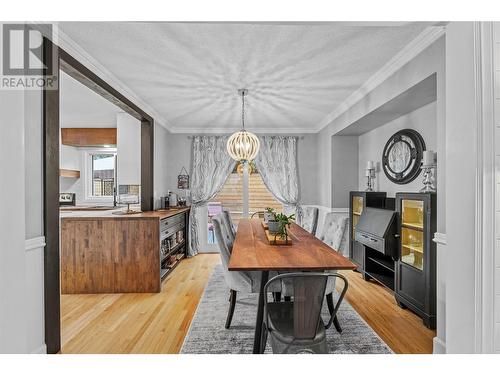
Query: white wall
point(371, 145)
point(128, 147)
point(461, 159)
point(21, 248)
point(344, 163)
point(162, 172)
point(496, 64)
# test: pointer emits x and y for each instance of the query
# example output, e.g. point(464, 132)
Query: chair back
point(309, 219)
point(334, 232)
point(228, 222)
point(223, 238)
point(259, 214)
point(308, 296)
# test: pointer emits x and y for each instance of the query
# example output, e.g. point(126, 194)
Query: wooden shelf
point(417, 226)
point(418, 249)
point(69, 173)
point(383, 262)
point(173, 250)
point(164, 272)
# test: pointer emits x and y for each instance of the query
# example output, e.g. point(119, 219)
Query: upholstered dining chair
point(297, 327)
point(229, 223)
point(237, 281)
point(309, 220)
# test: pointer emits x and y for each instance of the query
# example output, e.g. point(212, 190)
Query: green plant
point(270, 210)
point(284, 223)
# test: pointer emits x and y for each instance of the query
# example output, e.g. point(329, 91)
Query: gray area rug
point(207, 334)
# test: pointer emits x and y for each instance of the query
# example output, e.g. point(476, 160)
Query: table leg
point(260, 313)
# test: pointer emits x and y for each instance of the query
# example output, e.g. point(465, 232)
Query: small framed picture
point(183, 179)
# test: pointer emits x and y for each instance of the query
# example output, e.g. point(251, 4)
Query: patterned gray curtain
point(211, 167)
point(277, 165)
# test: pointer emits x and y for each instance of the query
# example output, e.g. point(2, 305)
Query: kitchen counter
point(106, 253)
point(79, 214)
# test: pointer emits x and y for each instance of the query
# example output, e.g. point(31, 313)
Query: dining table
point(252, 251)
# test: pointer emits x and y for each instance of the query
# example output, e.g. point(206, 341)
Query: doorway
point(51, 172)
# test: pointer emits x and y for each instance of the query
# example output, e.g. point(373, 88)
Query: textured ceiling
point(296, 74)
point(82, 107)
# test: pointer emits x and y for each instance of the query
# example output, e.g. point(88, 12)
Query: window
point(241, 198)
point(102, 174)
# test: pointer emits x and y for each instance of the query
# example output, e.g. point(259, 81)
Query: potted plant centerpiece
point(269, 214)
point(284, 222)
point(273, 223)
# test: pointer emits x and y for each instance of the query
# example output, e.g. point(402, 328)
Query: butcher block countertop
point(67, 215)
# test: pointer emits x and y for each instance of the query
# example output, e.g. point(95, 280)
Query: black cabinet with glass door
point(416, 265)
point(358, 200)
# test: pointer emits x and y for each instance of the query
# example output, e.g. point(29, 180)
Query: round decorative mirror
point(402, 156)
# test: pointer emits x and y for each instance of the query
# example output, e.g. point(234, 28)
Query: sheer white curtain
point(210, 170)
point(277, 165)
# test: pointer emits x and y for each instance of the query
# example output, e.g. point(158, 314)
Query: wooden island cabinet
point(107, 253)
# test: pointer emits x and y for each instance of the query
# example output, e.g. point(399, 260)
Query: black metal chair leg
point(277, 296)
point(232, 305)
point(263, 340)
point(331, 308)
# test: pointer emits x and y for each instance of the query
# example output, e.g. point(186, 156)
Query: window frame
point(89, 182)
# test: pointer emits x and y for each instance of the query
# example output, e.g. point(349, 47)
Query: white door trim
point(485, 188)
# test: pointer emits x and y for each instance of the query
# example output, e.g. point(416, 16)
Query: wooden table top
point(252, 251)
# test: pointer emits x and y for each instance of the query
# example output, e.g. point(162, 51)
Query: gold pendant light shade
point(243, 146)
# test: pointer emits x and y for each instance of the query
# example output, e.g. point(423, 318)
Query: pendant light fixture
point(243, 145)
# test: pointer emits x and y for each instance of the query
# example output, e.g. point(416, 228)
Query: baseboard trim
point(439, 346)
point(40, 350)
point(34, 243)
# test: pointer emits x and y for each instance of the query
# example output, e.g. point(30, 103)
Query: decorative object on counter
point(370, 175)
point(401, 156)
point(173, 202)
point(243, 145)
point(166, 202)
point(182, 201)
point(128, 194)
point(269, 214)
point(183, 179)
point(428, 166)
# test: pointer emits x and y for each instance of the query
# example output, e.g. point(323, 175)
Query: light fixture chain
point(243, 109)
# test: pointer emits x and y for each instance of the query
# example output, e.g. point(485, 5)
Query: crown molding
point(74, 49)
point(215, 130)
point(410, 51)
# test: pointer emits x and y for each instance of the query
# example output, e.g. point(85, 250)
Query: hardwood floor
point(136, 322)
point(157, 323)
point(401, 329)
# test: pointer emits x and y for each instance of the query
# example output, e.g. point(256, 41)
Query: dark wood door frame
point(50, 123)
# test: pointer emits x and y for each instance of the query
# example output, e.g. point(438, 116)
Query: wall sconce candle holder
point(370, 176)
point(429, 179)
